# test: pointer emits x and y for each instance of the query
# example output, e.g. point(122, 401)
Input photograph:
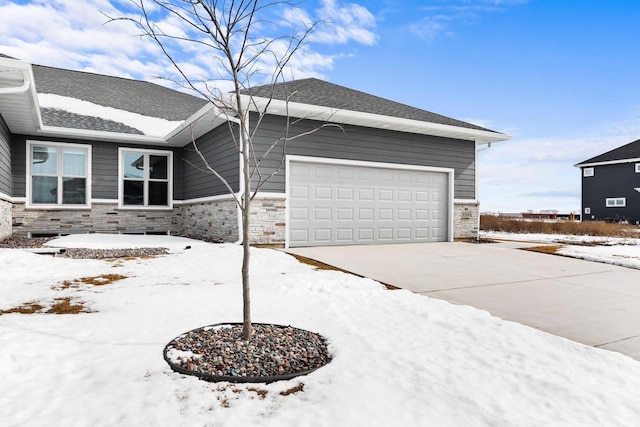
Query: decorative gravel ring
point(209, 352)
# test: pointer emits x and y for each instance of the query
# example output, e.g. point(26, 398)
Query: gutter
point(24, 87)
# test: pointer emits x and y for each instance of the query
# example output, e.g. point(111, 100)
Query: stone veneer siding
point(267, 220)
point(213, 221)
point(5, 219)
point(218, 220)
point(101, 218)
point(465, 220)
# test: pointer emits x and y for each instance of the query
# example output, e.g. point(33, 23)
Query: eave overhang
point(357, 118)
point(610, 162)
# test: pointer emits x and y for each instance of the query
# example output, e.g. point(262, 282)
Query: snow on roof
point(150, 126)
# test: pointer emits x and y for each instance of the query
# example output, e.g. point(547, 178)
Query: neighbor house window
point(586, 172)
point(145, 178)
point(617, 202)
point(637, 167)
point(58, 174)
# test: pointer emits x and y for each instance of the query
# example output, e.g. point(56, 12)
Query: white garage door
point(346, 204)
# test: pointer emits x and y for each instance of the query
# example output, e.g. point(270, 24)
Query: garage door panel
point(385, 234)
point(365, 194)
point(322, 235)
point(344, 214)
point(322, 214)
point(299, 235)
point(345, 193)
point(322, 193)
point(422, 233)
point(403, 215)
point(299, 214)
point(365, 214)
point(404, 195)
point(344, 204)
point(344, 235)
point(422, 214)
point(403, 233)
point(385, 214)
point(365, 234)
point(299, 192)
point(385, 195)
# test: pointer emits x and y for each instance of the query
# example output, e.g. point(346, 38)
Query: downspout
point(478, 187)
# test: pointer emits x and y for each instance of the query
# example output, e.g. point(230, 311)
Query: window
point(637, 167)
point(617, 202)
point(145, 178)
point(586, 172)
point(58, 174)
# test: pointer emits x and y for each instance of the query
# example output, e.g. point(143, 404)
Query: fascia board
point(202, 121)
point(100, 135)
point(610, 162)
point(315, 112)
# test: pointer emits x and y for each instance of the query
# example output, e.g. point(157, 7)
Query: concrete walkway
point(592, 303)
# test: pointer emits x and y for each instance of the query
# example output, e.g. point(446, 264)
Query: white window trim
point(611, 202)
point(169, 154)
point(29, 204)
point(587, 172)
point(637, 167)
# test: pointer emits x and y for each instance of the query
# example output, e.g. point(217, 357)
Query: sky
point(561, 77)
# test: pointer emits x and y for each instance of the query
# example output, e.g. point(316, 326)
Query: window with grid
point(58, 174)
point(145, 178)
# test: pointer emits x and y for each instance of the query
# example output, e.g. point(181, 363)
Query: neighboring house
point(83, 152)
point(611, 185)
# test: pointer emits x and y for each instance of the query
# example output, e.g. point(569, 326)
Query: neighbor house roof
point(627, 153)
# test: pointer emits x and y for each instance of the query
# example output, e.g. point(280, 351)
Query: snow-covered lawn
point(400, 359)
point(610, 250)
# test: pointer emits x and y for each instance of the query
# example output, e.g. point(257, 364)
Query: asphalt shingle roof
point(135, 96)
point(318, 92)
point(628, 151)
point(60, 118)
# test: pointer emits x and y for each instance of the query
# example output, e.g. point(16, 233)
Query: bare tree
point(229, 30)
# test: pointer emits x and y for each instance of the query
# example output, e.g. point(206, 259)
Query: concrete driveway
point(592, 303)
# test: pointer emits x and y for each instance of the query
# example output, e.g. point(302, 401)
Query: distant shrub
point(586, 228)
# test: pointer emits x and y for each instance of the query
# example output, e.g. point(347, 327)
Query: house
point(83, 152)
point(611, 185)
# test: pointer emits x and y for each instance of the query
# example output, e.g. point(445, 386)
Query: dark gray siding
point(6, 185)
point(18, 165)
point(221, 153)
point(104, 166)
point(609, 181)
point(368, 144)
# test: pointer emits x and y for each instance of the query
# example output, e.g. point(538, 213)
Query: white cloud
point(341, 23)
point(75, 35)
point(442, 18)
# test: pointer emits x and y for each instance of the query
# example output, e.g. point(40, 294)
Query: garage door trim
point(382, 165)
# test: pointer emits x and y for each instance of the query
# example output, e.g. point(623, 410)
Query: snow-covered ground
point(610, 250)
point(400, 359)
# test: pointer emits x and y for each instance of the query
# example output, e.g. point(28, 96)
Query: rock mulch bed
point(218, 353)
point(81, 253)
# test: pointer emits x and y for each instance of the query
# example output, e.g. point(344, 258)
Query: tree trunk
point(247, 329)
